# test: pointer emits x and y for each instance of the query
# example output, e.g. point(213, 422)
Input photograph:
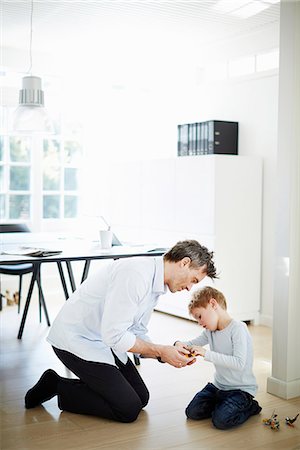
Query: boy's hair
point(201, 298)
point(198, 254)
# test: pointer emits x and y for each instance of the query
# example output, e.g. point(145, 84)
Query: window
point(20, 175)
point(267, 61)
point(241, 66)
point(15, 177)
point(61, 160)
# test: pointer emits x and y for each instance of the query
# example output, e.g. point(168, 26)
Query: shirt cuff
point(126, 342)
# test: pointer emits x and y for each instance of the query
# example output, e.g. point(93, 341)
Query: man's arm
point(167, 353)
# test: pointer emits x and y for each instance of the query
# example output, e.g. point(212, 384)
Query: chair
point(15, 269)
point(22, 269)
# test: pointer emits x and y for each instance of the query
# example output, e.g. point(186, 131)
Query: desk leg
point(63, 280)
point(41, 296)
point(136, 359)
point(86, 270)
point(33, 279)
point(71, 275)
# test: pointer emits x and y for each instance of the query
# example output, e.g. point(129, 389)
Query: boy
point(229, 400)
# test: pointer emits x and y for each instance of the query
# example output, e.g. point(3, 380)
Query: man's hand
point(186, 351)
point(167, 353)
point(176, 356)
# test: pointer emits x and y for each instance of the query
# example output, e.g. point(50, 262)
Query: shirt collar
point(158, 281)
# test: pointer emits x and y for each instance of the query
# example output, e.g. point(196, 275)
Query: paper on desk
point(32, 251)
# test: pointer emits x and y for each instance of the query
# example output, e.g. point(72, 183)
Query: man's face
point(183, 276)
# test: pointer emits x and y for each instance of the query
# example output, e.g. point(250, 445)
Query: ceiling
point(126, 42)
point(58, 25)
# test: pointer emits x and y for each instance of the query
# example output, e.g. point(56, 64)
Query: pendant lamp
point(31, 116)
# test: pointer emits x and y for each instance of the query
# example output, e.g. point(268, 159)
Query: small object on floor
point(16, 297)
point(9, 300)
point(272, 422)
point(290, 420)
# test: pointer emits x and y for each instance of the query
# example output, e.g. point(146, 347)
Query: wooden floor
point(162, 425)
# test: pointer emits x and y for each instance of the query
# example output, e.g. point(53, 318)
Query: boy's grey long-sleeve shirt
point(231, 352)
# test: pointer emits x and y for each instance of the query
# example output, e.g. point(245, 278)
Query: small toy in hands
point(272, 422)
point(189, 355)
point(290, 420)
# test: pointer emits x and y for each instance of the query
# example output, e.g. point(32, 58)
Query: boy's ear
point(213, 302)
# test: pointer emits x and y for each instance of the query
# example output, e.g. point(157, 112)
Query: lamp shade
point(30, 116)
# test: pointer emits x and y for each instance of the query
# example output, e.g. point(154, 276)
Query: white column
point(285, 379)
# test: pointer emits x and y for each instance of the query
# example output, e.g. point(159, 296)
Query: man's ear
point(186, 261)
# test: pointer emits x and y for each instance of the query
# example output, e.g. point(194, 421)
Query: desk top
point(71, 248)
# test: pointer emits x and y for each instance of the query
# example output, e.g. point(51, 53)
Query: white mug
point(106, 238)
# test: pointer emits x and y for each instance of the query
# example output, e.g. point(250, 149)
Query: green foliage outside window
point(51, 207)
point(19, 178)
point(70, 206)
point(1, 148)
point(19, 207)
point(73, 152)
point(19, 149)
point(71, 183)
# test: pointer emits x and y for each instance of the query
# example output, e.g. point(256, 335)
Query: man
point(108, 317)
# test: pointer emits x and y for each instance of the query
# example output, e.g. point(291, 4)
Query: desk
point(72, 249)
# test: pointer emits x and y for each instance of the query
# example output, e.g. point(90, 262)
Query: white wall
point(140, 122)
point(251, 101)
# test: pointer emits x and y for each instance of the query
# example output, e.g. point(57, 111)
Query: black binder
point(222, 137)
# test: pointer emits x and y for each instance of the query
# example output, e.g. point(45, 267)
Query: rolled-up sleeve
point(125, 290)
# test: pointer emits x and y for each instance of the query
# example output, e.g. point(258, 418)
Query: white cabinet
point(215, 199)
point(218, 201)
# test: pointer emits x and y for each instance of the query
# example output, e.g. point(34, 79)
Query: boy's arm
point(199, 340)
point(238, 359)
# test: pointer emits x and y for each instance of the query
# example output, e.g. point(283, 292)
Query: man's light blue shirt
point(110, 310)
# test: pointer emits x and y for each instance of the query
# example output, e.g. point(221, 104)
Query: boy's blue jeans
point(226, 408)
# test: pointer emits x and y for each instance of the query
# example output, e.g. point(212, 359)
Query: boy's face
point(206, 317)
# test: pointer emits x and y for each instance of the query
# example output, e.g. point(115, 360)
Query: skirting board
point(283, 389)
point(266, 320)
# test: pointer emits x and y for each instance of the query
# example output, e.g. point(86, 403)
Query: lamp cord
point(30, 42)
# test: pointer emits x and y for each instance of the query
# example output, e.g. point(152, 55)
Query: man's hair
point(198, 254)
point(201, 298)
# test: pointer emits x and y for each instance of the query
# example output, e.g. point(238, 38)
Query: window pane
point(51, 152)
point(19, 149)
point(1, 148)
point(51, 207)
point(1, 178)
point(51, 178)
point(70, 206)
point(51, 163)
point(2, 207)
point(72, 152)
point(241, 66)
point(19, 206)
point(267, 61)
point(19, 179)
point(71, 183)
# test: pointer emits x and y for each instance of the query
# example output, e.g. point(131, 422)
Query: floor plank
point(162, 425)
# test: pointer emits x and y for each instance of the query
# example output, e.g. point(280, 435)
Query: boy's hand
point(186, 351)
point(198, 350)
